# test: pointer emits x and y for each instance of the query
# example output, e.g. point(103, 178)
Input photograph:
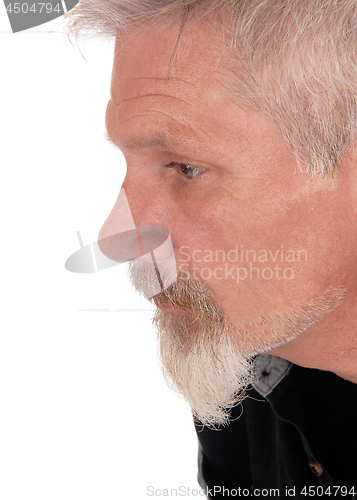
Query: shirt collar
point(269, 371)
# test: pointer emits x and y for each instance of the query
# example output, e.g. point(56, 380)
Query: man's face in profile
point(222, 180)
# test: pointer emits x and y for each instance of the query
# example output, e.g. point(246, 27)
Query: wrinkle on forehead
point(144, 97)
point(145, 58)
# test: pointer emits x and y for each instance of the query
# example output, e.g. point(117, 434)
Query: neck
point(330, 345)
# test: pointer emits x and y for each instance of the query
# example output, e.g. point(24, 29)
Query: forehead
point(152, 58)
point(184, 106)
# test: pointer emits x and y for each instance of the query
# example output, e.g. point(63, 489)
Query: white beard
point(206, 359)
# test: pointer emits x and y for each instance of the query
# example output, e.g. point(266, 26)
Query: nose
point(119, 220)
point(143, 210)
point(121, 240)
point(136, 205)
point(148, 202)
point(139, 203)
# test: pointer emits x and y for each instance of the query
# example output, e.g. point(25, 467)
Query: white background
point(84, 411)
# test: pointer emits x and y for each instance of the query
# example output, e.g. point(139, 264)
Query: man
point(238, 123)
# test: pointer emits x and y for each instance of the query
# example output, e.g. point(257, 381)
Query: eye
point(188, 171)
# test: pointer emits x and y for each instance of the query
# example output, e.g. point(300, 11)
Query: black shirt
point(294, 436)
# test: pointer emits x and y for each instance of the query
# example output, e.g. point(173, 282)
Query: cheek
point(264, 255)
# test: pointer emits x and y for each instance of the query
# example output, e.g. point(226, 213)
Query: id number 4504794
point(333, 491)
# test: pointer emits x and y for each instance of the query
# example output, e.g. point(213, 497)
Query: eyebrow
point(161, 138)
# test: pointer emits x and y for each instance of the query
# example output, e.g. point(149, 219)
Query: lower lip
point(168, 307)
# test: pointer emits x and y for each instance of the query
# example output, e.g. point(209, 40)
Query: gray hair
point(299, 58)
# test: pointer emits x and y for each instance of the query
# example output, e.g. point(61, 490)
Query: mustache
point(186, 294)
